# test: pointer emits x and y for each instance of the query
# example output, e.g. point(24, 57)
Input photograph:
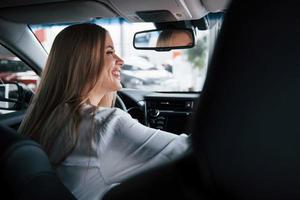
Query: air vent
point(177, 105)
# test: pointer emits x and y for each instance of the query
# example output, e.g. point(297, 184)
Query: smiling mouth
point(116, 74)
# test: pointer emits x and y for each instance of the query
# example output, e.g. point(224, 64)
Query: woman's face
point(111, 80)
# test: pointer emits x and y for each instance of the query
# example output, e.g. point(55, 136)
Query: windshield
point(177, 70)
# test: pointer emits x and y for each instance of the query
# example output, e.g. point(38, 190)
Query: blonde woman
point(91, 145)
point(174, 38)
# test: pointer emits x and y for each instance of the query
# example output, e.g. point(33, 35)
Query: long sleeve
point(131, 147)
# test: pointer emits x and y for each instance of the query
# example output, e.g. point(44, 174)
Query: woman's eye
point(109, 52)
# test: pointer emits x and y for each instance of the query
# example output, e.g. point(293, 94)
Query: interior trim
point(68, 11)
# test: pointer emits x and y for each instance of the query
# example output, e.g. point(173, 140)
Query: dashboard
point(172, 112)
point(168, 111)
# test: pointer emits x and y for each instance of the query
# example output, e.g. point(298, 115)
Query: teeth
point(116, 73)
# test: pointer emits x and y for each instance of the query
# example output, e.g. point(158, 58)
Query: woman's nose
point(119, 60)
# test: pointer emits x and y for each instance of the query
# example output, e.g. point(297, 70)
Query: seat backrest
point(247, 133)
point(26, 172)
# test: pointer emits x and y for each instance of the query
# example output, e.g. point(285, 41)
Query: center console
point(170, 112)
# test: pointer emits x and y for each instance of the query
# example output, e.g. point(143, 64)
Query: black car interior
point(26, 172)
point(246, 131)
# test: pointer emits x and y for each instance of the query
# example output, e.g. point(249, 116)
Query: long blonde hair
point(72, 70)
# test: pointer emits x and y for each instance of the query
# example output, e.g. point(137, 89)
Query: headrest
point(25, 170)
point(247, 129)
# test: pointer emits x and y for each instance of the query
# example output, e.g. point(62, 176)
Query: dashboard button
point(160, 123)
point(154, 112)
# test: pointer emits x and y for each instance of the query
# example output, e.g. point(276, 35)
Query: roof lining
point(66, 11)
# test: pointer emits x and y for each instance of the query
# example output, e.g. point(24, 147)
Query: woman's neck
point(95, 97)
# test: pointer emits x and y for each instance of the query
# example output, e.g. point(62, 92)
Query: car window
point(176, 70)
point(13, 70)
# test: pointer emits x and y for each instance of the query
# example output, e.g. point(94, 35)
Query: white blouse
point(121, 147)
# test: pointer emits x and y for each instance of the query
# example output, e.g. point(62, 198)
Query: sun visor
point(215, 5)
point(57, 12)
point(159, 10)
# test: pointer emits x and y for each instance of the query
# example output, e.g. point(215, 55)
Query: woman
point(174, 38)
point(91, 145)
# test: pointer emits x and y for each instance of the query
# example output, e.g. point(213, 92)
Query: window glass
point(176, 70)
point(13, 70)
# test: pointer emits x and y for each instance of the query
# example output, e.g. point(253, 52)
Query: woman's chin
point(115, 86)
point(120, 86)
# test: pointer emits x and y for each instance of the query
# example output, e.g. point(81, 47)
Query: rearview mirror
point(164, 39)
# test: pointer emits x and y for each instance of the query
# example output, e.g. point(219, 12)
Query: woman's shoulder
point(111, 111)
point(92, 110)
point(108, 114)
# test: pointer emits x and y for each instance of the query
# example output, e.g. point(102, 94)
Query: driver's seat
point(247, 131)
point(26, 171)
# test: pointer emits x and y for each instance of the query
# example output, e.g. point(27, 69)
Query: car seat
point(26, 171)
point(246, 136)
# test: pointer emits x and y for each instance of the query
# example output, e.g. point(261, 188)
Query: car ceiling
point(16, 14)
point(57, 11)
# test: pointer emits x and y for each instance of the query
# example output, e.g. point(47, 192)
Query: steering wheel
point(120, 103)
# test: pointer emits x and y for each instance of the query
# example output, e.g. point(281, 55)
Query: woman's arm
point(133, 147)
